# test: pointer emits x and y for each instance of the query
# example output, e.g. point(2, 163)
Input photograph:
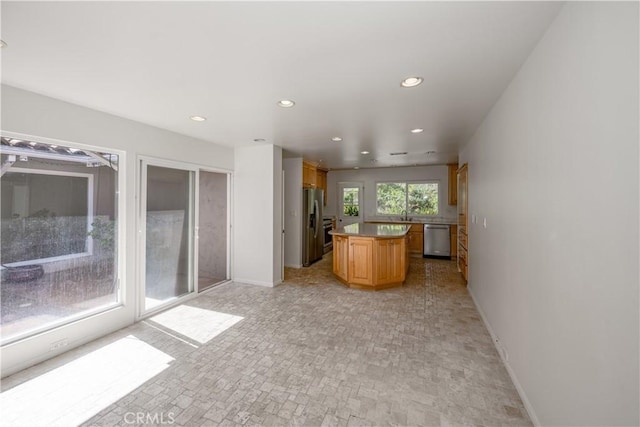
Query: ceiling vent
point(398, 153)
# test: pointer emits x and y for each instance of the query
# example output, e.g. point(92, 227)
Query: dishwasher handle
point(436, 227)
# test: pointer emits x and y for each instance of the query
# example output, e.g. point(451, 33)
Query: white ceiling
point(341, 62)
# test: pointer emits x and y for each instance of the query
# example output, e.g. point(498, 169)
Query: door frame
point(229, 242)
point(140, 313)
point(340, 207)
point(143, 162)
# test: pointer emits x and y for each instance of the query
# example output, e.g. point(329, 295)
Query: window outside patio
point(58, 235)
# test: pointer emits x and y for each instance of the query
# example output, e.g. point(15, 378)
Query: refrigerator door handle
point(315, 214)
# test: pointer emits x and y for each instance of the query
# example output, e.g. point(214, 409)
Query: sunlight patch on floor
point(198, 324)
point(75, 392)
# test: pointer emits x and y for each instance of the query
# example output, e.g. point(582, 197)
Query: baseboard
point(293, 265)
point(512, 374)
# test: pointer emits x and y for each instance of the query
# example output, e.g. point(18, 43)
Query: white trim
point(90, 207)
point(340, 186)
point(46, 260)
point(228, 227)
point(512, 374)
point(406, 196)
point(143, 162)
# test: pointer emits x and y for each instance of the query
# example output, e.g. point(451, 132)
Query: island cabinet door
point(341, 257)
point(361, 260)
point(389, 265)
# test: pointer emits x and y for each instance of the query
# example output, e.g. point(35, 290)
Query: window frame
point(90, 215)
point(21, 350)
point(406, 198)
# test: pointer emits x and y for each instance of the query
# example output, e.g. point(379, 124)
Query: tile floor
point(314, 353)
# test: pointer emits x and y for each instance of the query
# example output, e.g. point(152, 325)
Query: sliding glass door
point(167, 217)
point(213, 228)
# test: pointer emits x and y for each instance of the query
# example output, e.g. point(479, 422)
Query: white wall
point(370, 176)
point(40, 117)
point(292, 212)
point(256, 225)
point(554, 169)
point(278, 225)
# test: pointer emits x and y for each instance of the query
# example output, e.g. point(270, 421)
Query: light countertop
point(372, 230)
point(449, 221)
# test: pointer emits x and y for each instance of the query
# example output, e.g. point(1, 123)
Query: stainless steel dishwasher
point(437, 240)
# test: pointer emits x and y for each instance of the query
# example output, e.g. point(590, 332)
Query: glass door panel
point(350, 203)
point(212, 229)
point(169, 223)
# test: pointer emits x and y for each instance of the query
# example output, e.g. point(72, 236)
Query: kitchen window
point(407, 198)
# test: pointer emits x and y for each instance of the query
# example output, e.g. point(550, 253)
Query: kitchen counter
point(371, 256)
point(385, 230)
point(449, 221)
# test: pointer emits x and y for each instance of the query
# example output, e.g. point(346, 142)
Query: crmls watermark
point(156, 418)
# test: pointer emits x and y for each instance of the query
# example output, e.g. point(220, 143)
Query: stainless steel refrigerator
point(312, 231)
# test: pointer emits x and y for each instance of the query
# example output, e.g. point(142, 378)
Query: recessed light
point(417, 130)
point(364, 152)
point(259, 140)
point(198, 118)
point(357, 167)
point(336, 139)
point(286, 103)
point(3, 44)
point(411, 82)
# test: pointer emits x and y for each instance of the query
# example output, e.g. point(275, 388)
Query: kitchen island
point(371, 256)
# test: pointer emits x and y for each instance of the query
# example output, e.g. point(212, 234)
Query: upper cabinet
point(321, 182)
point(453, 184)
point(309, 175)
point(313, 177)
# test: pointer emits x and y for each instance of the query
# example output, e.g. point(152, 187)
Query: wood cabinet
point(463, 195)
point(387, 268)
point(341, 257)
point(453, 237)
point(370, 263)
point(360, 260)
point(416, 239)
point(321, 182)
point(309, 175)
point(453, 184)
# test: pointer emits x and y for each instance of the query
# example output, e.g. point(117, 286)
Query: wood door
point(416, 239)
point(360, 260)
point(453, 184)
point(453, 236)
point(389, 264)
point(341, 257)
point(463, 195)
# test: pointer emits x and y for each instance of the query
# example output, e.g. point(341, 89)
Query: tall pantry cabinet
point(463, 242)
